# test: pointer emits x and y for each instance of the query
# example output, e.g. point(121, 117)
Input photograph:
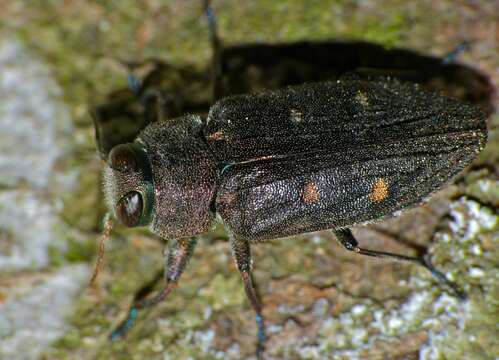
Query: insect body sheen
point(313, 157)
point(330, 155)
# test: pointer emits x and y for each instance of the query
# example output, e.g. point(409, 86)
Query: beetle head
point(128, 184)
point(165, 180)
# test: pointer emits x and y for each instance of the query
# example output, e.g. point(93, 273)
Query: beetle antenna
point(108, 226)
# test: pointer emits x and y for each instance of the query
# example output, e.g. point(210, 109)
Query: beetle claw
point(456, 290)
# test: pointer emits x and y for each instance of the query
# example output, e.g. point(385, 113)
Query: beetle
point(318, 156)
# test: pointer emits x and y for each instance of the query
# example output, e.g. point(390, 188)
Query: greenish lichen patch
point(320, 301)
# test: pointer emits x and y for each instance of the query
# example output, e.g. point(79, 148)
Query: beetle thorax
point(184, 176)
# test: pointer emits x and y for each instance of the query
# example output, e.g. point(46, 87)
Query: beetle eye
point(129, 209)
point(123, 159)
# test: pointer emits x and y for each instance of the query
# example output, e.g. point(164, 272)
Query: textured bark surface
point(320, 301)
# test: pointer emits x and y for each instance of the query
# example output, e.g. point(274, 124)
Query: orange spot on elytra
point(216, 135)
point(379, 190)
point(310, 193)
point(227, 198)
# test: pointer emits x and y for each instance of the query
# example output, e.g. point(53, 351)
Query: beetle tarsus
point(216, 67)
point(346, 238)
point(125, 326)
point(257, 307)
point(212, 20)
point(454, 53)
point(242, 256)
point(455, 288)
point(134, 83)
point(179, 253)
point(260, 334)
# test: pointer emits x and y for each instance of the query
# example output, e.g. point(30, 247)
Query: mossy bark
point(320, 301)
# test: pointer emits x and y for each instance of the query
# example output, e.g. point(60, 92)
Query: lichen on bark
point(320, 302)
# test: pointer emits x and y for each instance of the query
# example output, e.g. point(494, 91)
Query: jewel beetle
point(324, 155)
point(319, 156)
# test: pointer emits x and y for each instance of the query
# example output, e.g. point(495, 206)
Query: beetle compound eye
point(122, 158)
point(129, 209)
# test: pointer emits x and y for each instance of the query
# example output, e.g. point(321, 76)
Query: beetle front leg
point(242, 256)
point(179, 253)
point(346, 238)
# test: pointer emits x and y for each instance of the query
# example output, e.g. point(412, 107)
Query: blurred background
point(61, 61)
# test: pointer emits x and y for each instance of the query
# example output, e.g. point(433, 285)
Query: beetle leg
point(454, 53)
point(216, 46)
point(348, 241)
point(242, 255)
point(179, 253)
